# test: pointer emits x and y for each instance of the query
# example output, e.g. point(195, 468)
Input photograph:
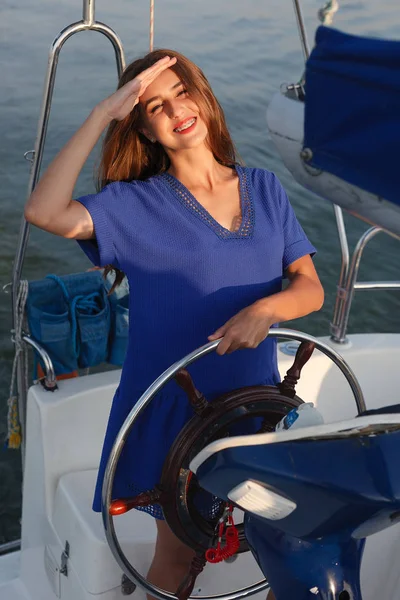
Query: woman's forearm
point(303, 296)
point(53, 193)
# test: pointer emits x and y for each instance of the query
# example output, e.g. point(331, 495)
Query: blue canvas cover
point(352, 110)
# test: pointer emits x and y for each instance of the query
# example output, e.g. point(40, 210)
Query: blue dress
point(187, 276)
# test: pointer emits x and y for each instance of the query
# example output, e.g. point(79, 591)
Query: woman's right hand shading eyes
point(122, 102)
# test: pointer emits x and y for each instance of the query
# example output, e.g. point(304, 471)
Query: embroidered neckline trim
point(187, 199)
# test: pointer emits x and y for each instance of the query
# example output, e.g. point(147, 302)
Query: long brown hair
point(127, 154)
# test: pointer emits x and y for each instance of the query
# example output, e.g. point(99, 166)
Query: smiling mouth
point(189, 124)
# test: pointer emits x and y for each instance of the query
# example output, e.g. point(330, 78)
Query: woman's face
point(170, 116)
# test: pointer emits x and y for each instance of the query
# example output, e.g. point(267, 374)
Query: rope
point(13, 423)
point(327, 12)
point(151, 25)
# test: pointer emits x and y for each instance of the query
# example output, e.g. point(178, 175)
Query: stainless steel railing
point(88, 22)
point(348, 284)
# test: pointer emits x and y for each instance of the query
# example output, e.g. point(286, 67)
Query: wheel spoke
point(186, 587)
point(198, 402)
point(123, 505)
point(303, 355)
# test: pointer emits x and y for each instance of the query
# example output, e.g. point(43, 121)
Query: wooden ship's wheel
point(194, 515)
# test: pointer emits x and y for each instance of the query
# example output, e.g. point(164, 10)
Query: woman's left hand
point(247, 329)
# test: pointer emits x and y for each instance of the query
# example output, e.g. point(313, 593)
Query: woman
point(205, 244)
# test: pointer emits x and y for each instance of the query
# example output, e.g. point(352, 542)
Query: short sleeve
point(296, 243)
point(102, 208)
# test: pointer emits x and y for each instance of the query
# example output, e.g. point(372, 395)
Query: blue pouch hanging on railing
point(49, 323)
point(70, 317)
point(119, 303)
point(92, 316)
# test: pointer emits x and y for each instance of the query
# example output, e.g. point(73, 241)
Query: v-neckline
point(188, 199)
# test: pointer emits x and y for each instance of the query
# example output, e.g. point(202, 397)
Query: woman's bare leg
point(171, 562)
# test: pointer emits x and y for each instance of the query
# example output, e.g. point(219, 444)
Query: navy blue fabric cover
point(352, 110)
